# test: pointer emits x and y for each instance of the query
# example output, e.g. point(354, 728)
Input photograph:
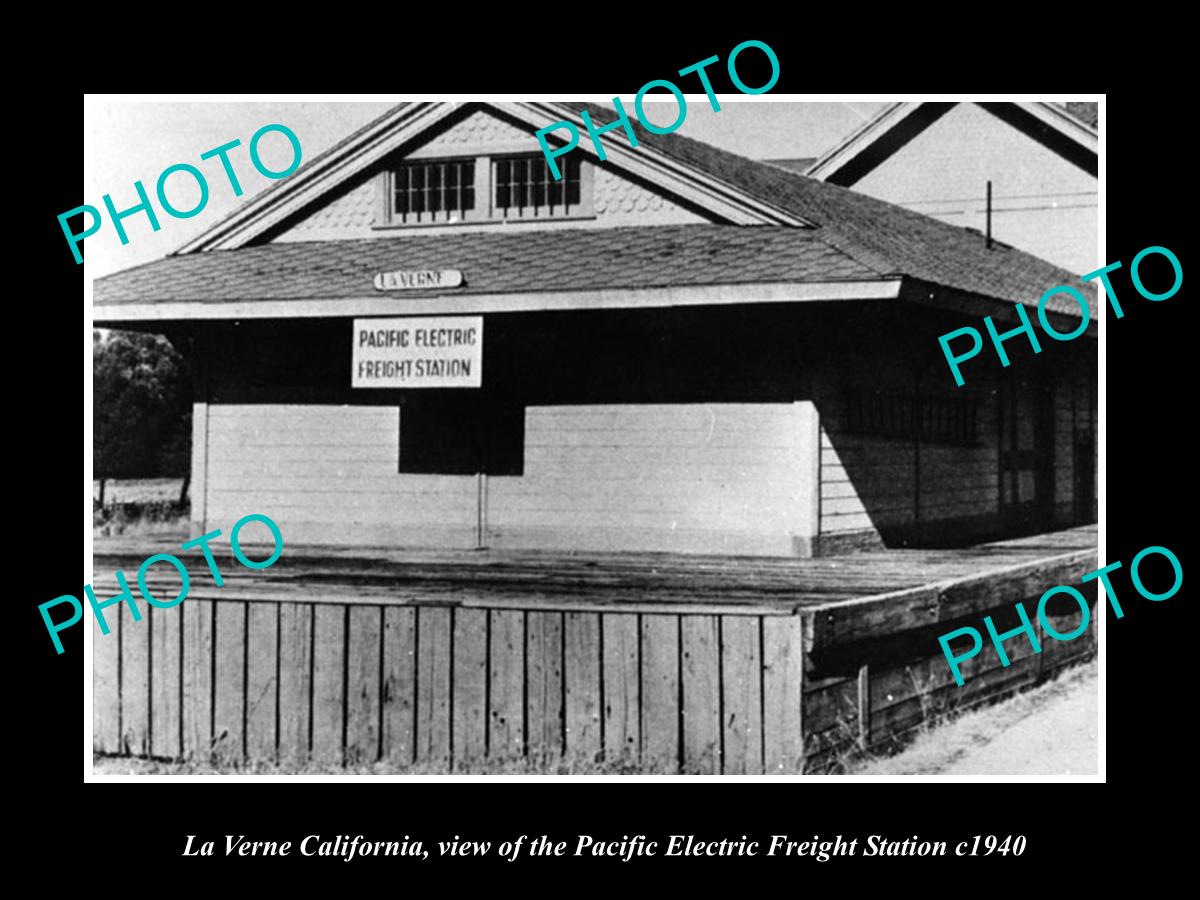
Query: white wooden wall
point(328, 475)
point(715, 478)
point(719, 478)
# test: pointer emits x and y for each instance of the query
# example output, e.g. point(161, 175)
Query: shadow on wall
point(924, 467)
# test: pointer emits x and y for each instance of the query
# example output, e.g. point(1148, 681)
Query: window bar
point(503, 184)
point(458, 204)
point(523, 194)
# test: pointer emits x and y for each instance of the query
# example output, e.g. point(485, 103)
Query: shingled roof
point(887, 238)
point(1087, 113)
point(525, 261)
point(856, 238)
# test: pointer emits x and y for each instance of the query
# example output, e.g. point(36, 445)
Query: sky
point(127, 141)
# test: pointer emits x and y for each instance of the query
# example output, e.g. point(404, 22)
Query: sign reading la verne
point(420, 278)
point(418, 352)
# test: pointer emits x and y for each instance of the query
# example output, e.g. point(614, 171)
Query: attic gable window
point(428, 192)
point(490, 186)
point(525, 189)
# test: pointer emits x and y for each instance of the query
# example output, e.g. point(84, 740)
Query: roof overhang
point(114, 315)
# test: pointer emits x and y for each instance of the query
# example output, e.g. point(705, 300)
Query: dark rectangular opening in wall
point(1085, 479)
point(457, 433)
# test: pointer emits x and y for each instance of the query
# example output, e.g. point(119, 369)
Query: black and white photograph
point(512, 437)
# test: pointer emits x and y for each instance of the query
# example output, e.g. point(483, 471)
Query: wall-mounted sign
point(418, 278)
point(417, 352)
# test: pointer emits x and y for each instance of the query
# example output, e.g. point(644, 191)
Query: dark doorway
point(1085, 479)
point(1026, 456)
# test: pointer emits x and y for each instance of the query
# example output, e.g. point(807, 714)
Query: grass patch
point(140, 507)
point(125, 765)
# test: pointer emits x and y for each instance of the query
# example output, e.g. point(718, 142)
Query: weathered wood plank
point(864, 705)
point(997, 589)
point(912, 679)
point(622, 701)
point(470, 686)
point(831, 702)
point(927, 605)
point(660, 693)
point(582, 657)
point(399, 693)
point(295, 682)
point(197, 679)
point(106, 688)
point(506, 713)
point(362, 686)
point(329, 683)
point(166, 682)
point(984, 685)
point(135, 681)
point(783, 669)
point(229, 694)
point(701, 659)
point(742, 686)
point(433, 687)
point(544, 674)
point(261, 686)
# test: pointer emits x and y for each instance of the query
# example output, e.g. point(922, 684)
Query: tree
point(141, 406)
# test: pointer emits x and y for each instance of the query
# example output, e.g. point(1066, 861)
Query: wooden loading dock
point(444, 660)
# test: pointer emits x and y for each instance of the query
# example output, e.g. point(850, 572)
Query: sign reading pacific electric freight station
point(418, 352)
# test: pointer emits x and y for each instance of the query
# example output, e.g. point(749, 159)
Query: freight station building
point(420, 339)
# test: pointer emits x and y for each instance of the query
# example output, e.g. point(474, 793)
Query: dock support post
point(864, 706)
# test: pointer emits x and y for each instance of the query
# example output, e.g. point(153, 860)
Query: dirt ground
point(1049, 731)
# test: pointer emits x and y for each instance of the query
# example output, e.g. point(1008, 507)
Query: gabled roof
point(888, 238)
point(893, 126)
point(829, 231)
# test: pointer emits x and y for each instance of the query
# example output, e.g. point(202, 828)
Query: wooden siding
point(866, 482)
point(726, 478)
point(756, 666)
point(328, 474)
point(895, 487)
point(680, 477)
